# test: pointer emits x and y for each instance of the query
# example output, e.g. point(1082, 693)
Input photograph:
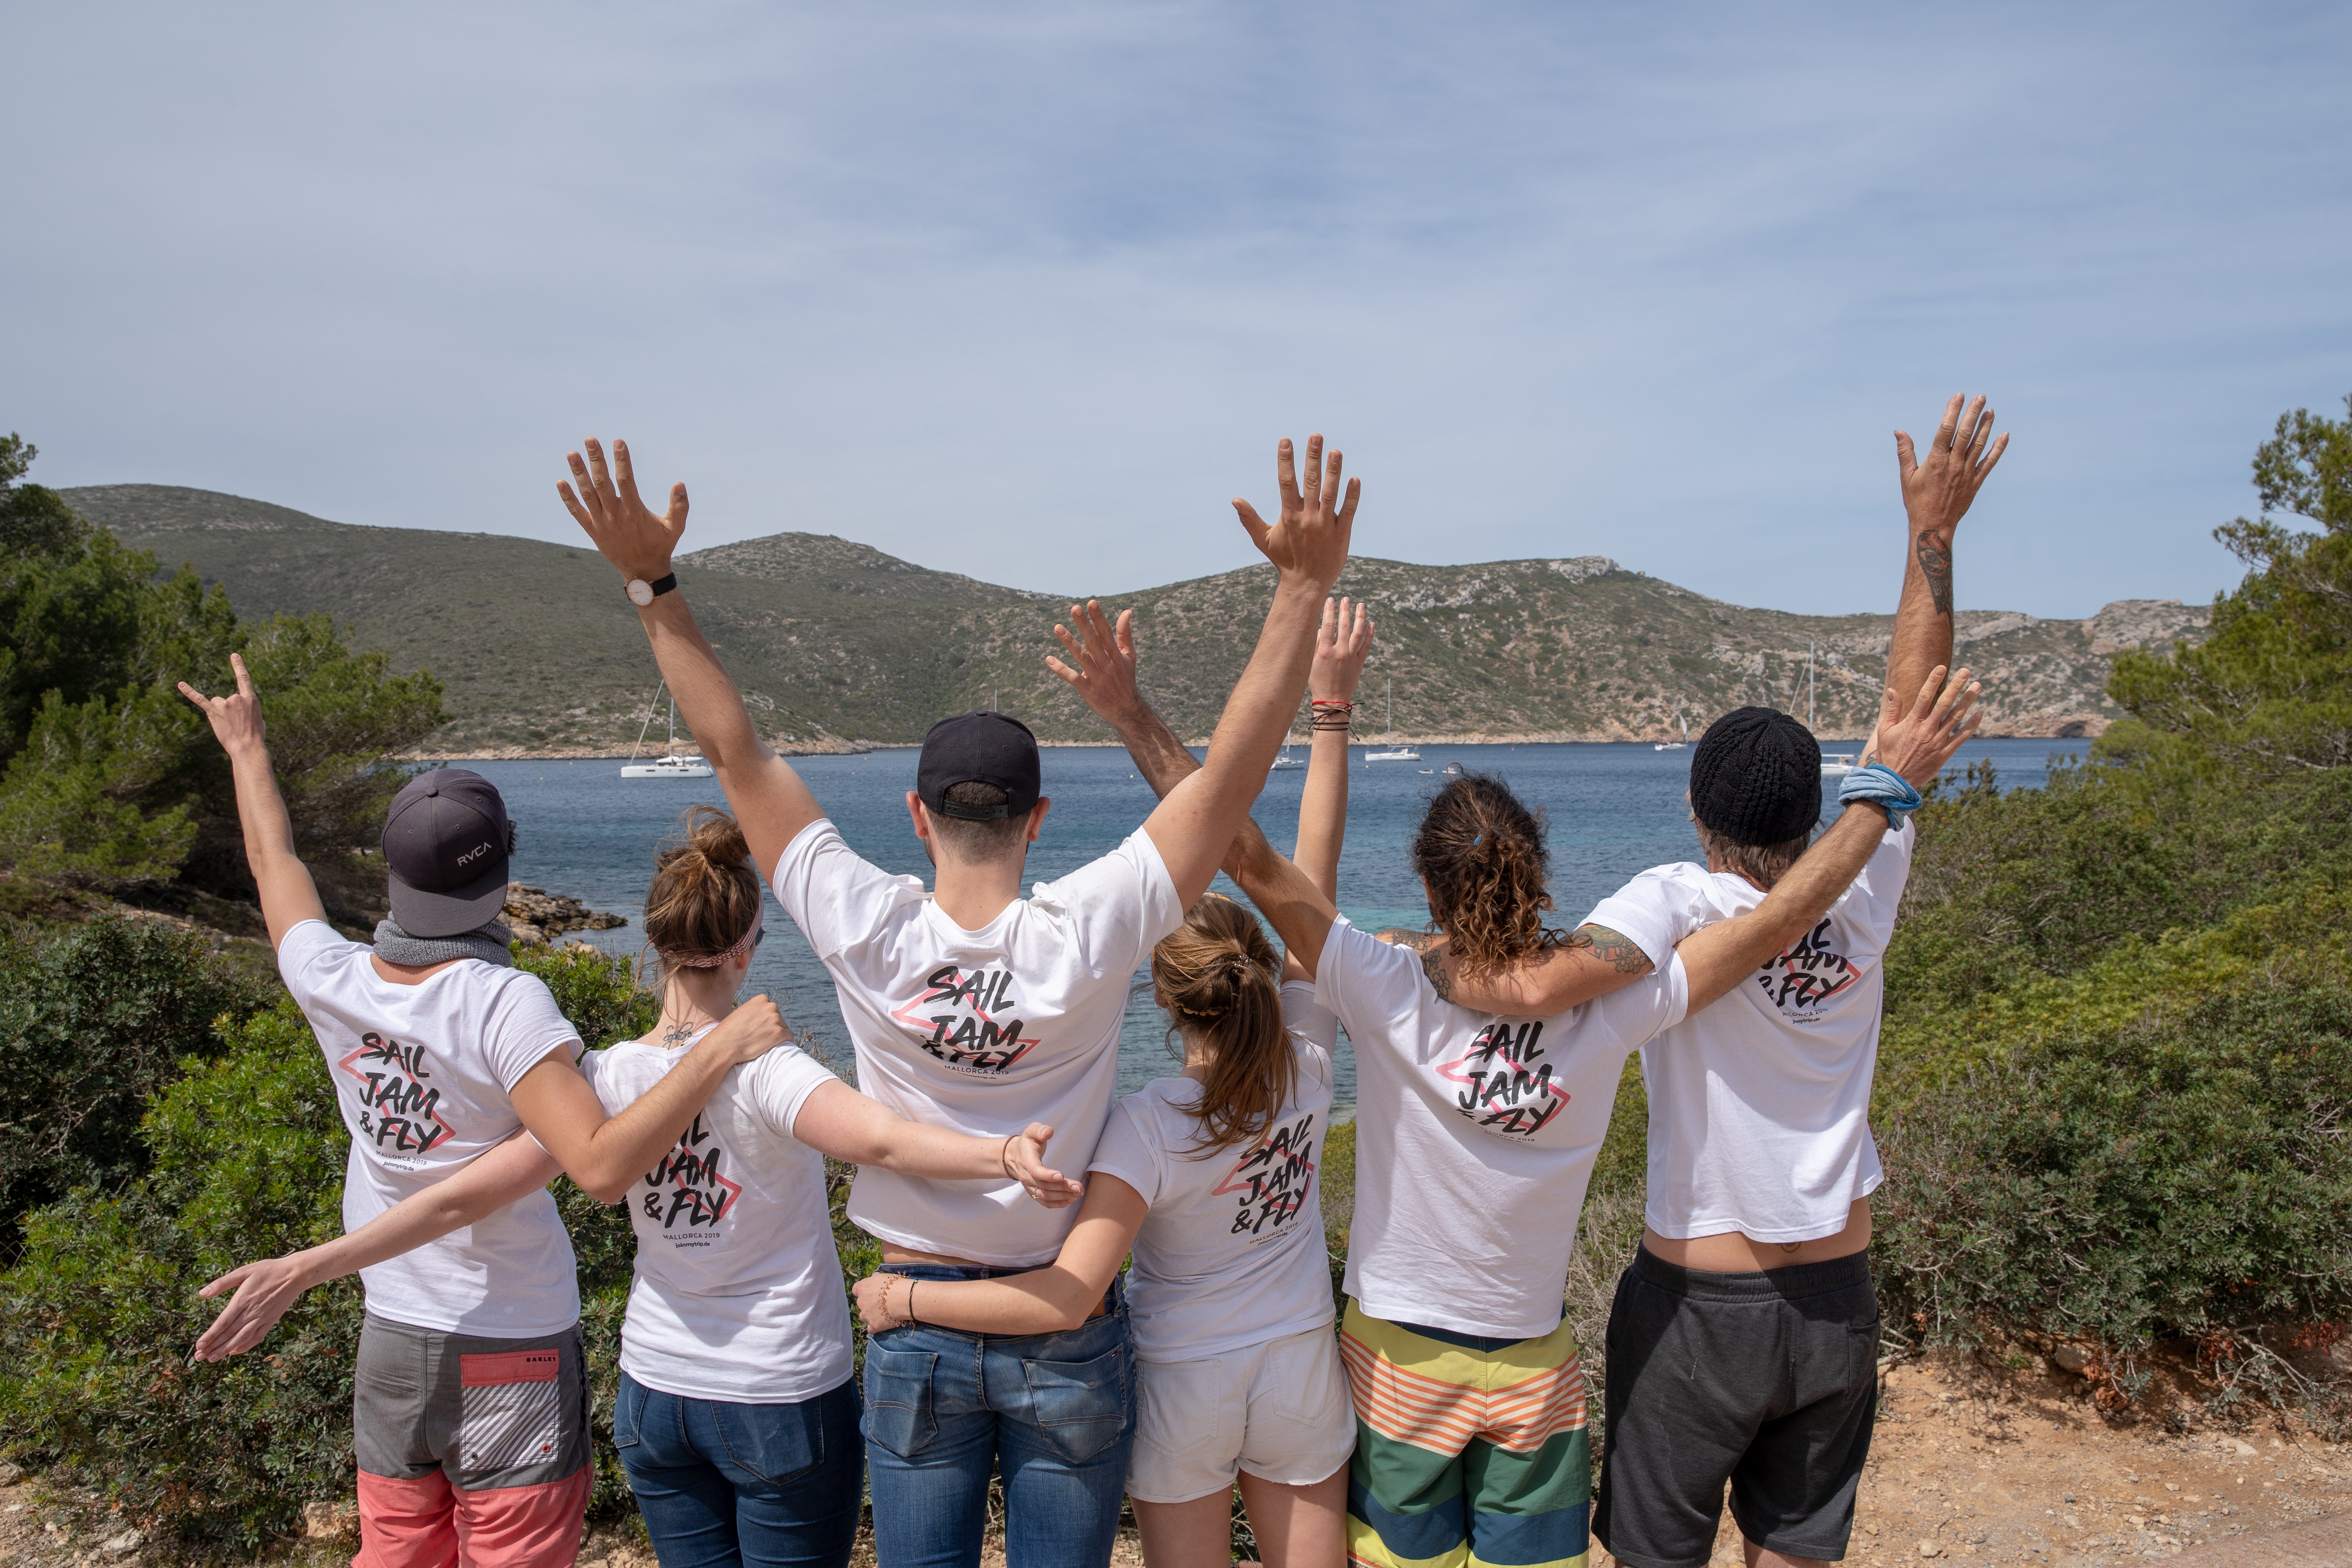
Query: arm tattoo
point(1622, 953)
point(1935, 562)
point(1405, 936)
point(1432, 964)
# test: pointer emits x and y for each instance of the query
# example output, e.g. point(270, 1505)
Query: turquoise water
point(1614, 810)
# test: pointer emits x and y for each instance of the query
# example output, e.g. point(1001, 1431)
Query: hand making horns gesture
point(1310, 539)
point(626, 531)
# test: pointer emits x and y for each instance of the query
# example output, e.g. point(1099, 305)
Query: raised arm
point(1341, 644)
point(266, 1290)
point(1916, 743)
point(1936, 495)
point(1047, 1300)
point(1194, 825)
point(767, 796)
point(836, 1119)
point(289, 896)
point(1102, 672)
point(605, 1154)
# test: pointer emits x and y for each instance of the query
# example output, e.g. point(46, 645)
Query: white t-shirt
point(1475, 1135)
point(1231, 1253)
point(1760, 1105)
point(738, 1293)
point(982, 1031)
point(421, 1074)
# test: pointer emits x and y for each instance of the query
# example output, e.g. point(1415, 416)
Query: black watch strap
point(662, 584)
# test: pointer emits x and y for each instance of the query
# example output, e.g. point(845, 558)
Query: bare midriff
point(894, 1253)
point(1732, 1252)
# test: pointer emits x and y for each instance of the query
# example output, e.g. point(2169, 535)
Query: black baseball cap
point(446, 839)
point(982, 747)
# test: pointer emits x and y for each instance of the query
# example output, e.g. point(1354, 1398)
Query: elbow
point(604, 1189)
point(1067, 1319)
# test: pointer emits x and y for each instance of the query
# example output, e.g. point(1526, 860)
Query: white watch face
point(641, 592)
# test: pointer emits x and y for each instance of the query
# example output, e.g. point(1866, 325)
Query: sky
point(1028, 291)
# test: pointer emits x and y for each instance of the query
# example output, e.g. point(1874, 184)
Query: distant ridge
point(835, 641)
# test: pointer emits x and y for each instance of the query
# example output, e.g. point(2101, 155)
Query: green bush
point(2177, 1176)
point(93, 1021)
point(245, 1157)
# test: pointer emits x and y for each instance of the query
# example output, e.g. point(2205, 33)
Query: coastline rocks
point(534, 915)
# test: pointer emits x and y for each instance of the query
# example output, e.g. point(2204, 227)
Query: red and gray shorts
point(470, 1450)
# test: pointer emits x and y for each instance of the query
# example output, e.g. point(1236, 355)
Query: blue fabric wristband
point(1878, 782)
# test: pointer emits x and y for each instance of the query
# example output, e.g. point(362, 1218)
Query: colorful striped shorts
point(1468, 1451)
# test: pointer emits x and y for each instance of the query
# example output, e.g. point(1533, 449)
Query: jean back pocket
point(898, 1398)
point(1081, 1406)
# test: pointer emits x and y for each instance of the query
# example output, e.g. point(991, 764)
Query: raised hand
point(626, 531)
point(1341, 644)
point(236, 720)
point(1026, 1158)
point(1310, 541)
point(1918, 744)
point(750, 1032)
point(1938, 492)
point(1102, 663)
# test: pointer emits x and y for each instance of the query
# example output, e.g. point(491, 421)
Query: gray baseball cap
point(445, 841)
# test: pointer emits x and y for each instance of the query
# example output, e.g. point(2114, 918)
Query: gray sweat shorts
point(1766, 1381)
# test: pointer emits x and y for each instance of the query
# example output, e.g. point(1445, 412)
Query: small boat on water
point(670, 766)
point(1391, 752)
point(1283, 759)
point(1676, 745)
point(1451, 769)
point(1837, 764)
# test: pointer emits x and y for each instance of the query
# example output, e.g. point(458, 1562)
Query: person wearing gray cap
point(1743, 1344)
point(469, 1402)
point(973, 1007)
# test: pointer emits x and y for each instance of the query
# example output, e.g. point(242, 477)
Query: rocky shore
point(536, 916)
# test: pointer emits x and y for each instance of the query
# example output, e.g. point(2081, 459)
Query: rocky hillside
point(832, 641)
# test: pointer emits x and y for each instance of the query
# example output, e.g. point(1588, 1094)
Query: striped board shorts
point(1468, 1451)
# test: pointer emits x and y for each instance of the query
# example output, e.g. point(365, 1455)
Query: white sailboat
point(1834, 765)
point(1676, 745)
point(1393, 752)
point(1283, 759)
point(670, 766)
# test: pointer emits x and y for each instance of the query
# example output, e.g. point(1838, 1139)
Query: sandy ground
point(2015, 1468)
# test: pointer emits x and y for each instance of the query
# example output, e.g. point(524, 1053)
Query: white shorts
point(1279, 1410)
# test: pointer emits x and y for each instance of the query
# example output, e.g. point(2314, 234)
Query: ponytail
point(1217, 976)
point(1482, 855)
point(705, 897)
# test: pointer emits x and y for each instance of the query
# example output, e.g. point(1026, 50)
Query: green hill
point(832, 641)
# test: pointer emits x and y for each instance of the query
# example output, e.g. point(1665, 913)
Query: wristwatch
point(642, 592)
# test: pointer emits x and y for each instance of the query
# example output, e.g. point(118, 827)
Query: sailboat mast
point(1809, 683)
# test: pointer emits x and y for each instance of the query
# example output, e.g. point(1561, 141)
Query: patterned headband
point(741, 947)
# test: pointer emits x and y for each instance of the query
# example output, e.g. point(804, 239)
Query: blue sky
point(1028, 291)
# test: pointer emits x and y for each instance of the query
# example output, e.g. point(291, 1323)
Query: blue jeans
point(1054, 1413)
point(723, 1485)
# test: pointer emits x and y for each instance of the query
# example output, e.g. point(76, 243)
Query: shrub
point(93, 1021)
point(246, 1154)
point(2182, 1174)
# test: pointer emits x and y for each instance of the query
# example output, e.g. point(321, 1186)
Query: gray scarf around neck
point(487, 942)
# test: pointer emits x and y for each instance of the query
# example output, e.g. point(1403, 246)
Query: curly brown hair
point(1218, 978)
point(1482, 857)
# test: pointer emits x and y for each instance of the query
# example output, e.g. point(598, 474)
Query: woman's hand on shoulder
point(750, 1032)
point(1026, 1158)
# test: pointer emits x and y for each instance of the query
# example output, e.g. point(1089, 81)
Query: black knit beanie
point(1756, 777)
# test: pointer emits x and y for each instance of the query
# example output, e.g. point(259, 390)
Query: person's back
point(976, 1009)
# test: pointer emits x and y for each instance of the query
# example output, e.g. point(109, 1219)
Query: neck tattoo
point(679, 1033)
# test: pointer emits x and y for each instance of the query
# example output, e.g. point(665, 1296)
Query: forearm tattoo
point(1621, 952)
point(1935, 562)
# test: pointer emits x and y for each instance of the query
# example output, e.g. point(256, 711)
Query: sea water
point(1614, 810)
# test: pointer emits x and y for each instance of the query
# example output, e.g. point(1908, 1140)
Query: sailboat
point(1676, 745)
point(1393, 752)
point(1283, 759)
point(1834, 765)
point(670, 766)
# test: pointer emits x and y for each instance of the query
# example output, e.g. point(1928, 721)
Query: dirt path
point(2024, 1470)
